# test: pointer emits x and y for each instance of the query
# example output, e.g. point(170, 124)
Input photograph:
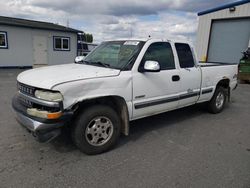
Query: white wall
point(20, 47)
point(205, 24)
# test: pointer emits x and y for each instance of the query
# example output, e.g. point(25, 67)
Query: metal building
point(224, 32)
point(27, 43)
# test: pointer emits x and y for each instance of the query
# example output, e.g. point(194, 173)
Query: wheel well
point(115, 102)
point(225, 83)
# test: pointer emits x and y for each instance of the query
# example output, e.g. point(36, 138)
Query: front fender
point(78, 91)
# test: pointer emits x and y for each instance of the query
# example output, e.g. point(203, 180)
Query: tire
point(218, 101)
point(96, 129)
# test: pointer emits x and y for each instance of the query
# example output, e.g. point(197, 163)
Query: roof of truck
point(140, 39)
point(147, 39)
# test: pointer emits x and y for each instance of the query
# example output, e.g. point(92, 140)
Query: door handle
point(175, 78)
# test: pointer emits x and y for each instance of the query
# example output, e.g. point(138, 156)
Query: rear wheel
point(218, 101)
point(96, 129)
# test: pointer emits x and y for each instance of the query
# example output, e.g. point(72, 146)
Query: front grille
point(26, 102)
point(28, 90)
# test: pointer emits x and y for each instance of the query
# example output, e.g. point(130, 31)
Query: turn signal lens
point(55, 115)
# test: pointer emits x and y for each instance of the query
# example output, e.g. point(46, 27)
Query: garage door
point(228, 39)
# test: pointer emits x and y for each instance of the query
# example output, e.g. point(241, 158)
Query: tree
point(88, 37)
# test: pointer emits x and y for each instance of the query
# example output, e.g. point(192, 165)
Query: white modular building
point(28, 43)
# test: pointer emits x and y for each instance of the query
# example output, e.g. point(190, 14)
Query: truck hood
point(47, 77)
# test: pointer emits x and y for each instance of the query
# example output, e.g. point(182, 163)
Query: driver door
point(155, 92)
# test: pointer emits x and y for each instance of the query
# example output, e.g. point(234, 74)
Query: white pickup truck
point(116, 83)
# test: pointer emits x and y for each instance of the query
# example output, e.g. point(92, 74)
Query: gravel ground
point(184, 148)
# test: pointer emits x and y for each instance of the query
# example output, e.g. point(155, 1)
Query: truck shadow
point(63, 143)
point(138, 128)
point(161, 122)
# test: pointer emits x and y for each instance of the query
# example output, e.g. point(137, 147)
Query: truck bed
point(212, 73)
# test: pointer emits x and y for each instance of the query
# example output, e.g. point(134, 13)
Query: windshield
point(115, 54)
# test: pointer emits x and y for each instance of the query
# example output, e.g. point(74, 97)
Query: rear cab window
point(185, 55)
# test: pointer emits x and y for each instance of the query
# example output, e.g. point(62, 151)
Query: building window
point(3, 39)
point(61, 43)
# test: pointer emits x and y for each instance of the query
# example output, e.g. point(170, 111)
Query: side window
point(162, 53)
point(61, 43)
point(185, 55)
point(3, 40)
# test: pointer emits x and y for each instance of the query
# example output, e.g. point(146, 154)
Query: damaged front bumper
point(42, 129)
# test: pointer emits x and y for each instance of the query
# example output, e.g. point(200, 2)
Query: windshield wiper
point(100, 63)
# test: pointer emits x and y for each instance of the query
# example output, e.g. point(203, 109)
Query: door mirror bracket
point(79, 59)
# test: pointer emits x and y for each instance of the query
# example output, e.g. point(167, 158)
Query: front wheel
point(96, 129)
point(218, 101)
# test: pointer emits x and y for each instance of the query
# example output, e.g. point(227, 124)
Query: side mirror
point(151, 66)
point(79, 59)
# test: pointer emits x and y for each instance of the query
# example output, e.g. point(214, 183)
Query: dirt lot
point(184, 148)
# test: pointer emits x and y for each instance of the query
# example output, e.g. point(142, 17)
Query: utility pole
point(131, 31)
point(67, 23)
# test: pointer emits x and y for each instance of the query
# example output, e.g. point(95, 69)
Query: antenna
point(67, 22)
point(130, 29)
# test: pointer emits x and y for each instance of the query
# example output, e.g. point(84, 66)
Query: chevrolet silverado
point(119, 81)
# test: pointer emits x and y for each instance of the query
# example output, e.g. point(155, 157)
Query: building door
point(228, 38)
point(40, 51)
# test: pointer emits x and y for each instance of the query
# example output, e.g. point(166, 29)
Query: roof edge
point(62, 29)
point(46, 29)
point(237, 3)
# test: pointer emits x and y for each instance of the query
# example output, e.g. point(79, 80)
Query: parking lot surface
point(184, 148)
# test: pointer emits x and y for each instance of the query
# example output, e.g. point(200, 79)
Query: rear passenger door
point(190, 75)
point(155, 92)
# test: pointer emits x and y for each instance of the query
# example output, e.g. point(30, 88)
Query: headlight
point(49, 96)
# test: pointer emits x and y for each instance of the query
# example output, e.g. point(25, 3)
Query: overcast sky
point(110, 19)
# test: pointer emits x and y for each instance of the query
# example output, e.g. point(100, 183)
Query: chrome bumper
point(33, 125)
point(42, 129)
